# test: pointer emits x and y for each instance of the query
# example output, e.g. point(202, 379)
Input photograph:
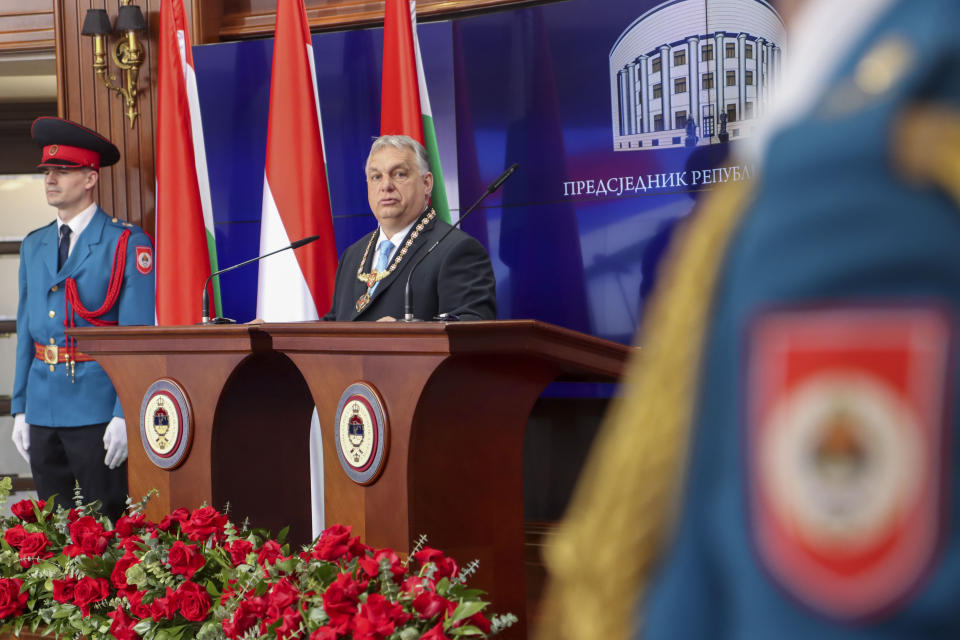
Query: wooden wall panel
point(26, 25)
point(126, 190)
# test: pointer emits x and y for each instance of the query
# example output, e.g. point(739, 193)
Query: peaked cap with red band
point(68, 144)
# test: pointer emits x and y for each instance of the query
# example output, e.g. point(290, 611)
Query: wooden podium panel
point(456, 397)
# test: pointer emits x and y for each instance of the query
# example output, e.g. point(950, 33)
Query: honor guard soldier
point(783, 462)
point(85, 268)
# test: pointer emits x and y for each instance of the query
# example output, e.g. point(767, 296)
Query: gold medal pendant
point(363, 301)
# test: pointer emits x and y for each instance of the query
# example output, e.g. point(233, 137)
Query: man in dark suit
point(456, 279)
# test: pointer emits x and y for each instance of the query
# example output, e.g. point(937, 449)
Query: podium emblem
point(361, 436)
point(165, 423)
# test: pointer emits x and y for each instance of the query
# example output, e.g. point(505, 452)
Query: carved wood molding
point(255, 18)
point(26, 26)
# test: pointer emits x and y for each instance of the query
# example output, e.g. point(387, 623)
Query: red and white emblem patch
point(846, 442)
point(144, 260)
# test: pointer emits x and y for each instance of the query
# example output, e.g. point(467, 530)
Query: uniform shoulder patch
point(846, 437)
point(144, 260)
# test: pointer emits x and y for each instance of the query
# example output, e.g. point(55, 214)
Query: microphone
point(407, 293)
point(206, 298)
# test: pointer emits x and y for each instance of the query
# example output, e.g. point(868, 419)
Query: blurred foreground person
point(783, 461)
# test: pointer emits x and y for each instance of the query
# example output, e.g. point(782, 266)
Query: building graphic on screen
point(691, 72)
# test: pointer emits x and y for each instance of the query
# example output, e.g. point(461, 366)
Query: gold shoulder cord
point(926, 146)
point(628, 494)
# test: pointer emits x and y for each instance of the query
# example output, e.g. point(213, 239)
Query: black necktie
point(64, 248)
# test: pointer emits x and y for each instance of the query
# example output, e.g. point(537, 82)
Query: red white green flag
point(405, 103)
point(186, 248)
point(295, 285)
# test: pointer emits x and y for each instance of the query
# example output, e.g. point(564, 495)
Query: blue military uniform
point(783, 461)
point(842, 259)
point(59, 398)
point(104, 275)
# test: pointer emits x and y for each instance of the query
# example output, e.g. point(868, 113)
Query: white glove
point(21, 435)
point(115, 442)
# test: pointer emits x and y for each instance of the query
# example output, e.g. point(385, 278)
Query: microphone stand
point(205, 303)
point(407, 292)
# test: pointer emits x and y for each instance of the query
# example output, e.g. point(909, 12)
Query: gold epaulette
point(626, 501)
point(926, 146)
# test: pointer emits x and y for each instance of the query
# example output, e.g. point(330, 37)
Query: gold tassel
point(627, 497)
point(926, 146)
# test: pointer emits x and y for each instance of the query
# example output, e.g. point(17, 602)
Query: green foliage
point(220, 570)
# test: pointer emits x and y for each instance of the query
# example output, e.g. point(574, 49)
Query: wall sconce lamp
point(128, 54)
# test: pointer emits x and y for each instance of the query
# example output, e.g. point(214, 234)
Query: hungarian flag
point(405, 106)
point(186, 248)
point(295, 285)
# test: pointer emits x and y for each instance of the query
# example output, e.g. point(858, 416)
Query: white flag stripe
point(316, 102)
point(199, 149)
point(421, 76)
point(283, 293)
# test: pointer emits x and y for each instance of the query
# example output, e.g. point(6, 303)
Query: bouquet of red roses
point(195, 575)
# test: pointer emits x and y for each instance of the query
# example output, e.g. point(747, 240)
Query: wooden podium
point(456, 397)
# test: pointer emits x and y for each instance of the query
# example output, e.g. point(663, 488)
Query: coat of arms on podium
point(361, 435)
point(165, 423)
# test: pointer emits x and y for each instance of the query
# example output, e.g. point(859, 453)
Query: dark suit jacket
point(456, 278)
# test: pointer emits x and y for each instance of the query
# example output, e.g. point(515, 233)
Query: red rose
point(184, 559)
point(15, 535)
point(89, 591)
point(129, 524)
point(72, 515)
point(89, 538)
point(24, 510)
point(122, 626)
point(164, 608)
point(194, 601)
point(63, 589)
point(371, 566)
point(333, 543)
point(204, 522)
point(429, 604)
point(341, 597)
point(358, 549)
point(436, 633)
point(377, 618)
point(282, 595)
point(137, 608)
point(270, 553)
point(478, 620)
point(238, 550)
point(290, 626)
point(415, 585)
point(33, 549)
point(245, 617)
point(131, 544)
point(324, 633)
point(118, 577)
point(228, 592)
point(178, 517)
point(12, 602)
point(446, 567)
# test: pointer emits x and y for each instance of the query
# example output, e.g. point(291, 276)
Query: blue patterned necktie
point(64, 247)
point(383, 258)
